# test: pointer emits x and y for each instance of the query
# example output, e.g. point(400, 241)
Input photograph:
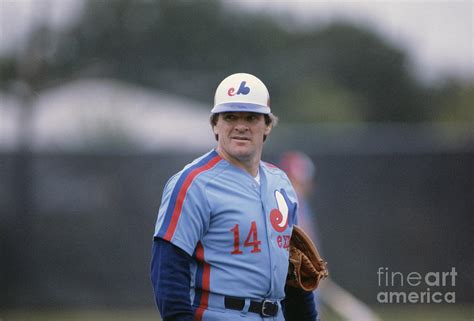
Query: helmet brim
point(241, 107)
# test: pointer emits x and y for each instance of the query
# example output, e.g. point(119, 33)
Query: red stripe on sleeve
point(206, 283)
point(182, 194)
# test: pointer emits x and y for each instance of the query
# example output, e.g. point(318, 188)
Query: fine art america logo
point(430, 287)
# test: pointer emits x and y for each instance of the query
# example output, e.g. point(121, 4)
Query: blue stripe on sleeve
point(176, 190)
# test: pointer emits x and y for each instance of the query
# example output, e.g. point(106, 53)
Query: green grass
point(431, 312)
point(387, 313)
point(88, 315)
point(413, 313)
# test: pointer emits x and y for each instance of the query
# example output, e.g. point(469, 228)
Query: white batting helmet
point(242, 93)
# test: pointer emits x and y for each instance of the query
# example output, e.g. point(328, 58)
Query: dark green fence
point(76, 229)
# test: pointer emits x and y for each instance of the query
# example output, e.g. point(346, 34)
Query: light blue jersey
point(237, 230)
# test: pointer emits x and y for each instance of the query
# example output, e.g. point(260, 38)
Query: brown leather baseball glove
point(306, 267)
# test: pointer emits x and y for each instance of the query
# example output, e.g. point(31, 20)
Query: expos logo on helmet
point(241, 92)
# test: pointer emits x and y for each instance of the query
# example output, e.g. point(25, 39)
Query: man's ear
point(268, 129)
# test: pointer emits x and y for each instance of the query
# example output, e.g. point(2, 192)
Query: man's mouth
point(240, 138)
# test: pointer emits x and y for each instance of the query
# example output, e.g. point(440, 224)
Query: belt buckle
point(267, 304)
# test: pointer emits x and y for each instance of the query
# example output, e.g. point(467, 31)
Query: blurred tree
point(370, 77)
point(180, 46)
point(362, 62)
point(7, 70)
point(454, 102)
point(337, 73)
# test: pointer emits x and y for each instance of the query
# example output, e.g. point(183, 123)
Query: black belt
point(265, 308)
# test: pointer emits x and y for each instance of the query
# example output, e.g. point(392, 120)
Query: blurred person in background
point(221, 240)
point(302, 171)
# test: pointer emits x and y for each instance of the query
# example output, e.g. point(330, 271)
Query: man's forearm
point(170, 276)
point(299, 305)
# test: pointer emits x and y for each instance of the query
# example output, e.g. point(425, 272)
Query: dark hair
point(270, 119)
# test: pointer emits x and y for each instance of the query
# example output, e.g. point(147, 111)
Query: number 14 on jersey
point(251, 240)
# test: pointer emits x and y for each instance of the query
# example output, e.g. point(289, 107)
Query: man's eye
point(252, 118)
point(229, 117)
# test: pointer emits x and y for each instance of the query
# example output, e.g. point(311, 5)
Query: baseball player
point(221, 240)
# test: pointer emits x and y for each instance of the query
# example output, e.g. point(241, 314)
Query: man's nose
point(241, 126)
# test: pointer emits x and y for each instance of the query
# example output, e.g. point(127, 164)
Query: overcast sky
point(437, 34)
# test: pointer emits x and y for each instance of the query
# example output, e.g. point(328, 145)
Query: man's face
point(241, 135)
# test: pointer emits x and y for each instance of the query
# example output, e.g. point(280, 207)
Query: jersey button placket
point(266, 203)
